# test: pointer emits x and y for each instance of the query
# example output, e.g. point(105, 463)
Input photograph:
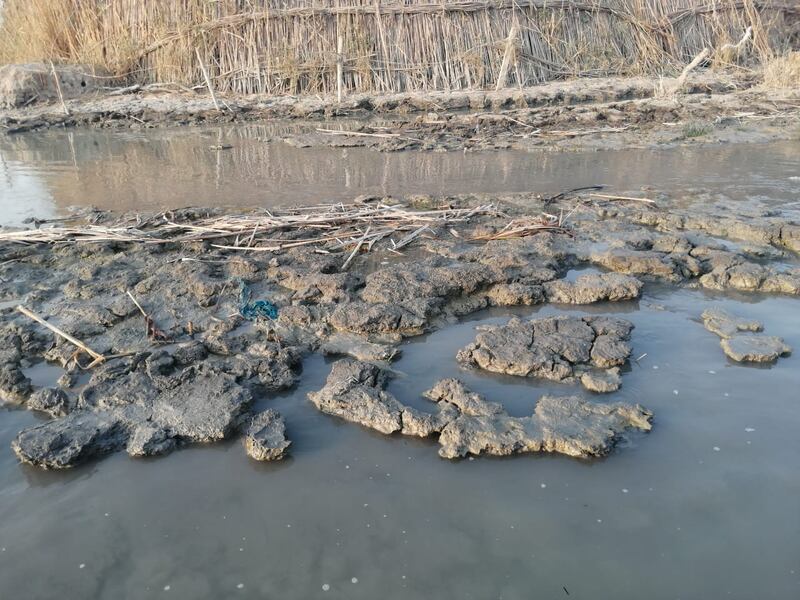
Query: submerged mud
point(192, 371)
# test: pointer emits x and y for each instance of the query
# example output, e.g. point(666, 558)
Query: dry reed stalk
point(98, 358)
point(339, 68)
point(357, 247)
point(628, 198)
point(207, 79)
point(783, 72)
point(507, 54)
point(58, 88)
point(526, 226)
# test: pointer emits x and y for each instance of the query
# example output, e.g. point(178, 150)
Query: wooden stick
point(58, 88)
point(501, 78)
point(98, 358)
point(207, 78)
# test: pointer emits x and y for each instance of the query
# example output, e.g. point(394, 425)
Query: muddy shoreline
point(581, 114)
point(198, 339)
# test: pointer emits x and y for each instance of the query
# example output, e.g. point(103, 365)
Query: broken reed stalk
point(58, 88)
point(151, 331)
point(264, 231)
point(139, 306)
point(509, 51)
point(356, 133)
point(631, 198)
point(355, 250)
point(98, 358)
point(207, 78)
point(690, 67)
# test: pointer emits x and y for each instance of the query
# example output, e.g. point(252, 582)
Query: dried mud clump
point(739, 342)
point(149, 404)
point(555, 348)
point(467, 424)
point(265, 437)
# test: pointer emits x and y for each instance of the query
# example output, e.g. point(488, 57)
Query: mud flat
point(679, 469)
point(163, 303)
point(467, 424)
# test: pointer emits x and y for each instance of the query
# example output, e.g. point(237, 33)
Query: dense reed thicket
point(290, 46)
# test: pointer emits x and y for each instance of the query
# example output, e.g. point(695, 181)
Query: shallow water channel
point(705, 506)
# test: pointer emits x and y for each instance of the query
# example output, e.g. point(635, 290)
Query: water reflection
point(44, 173)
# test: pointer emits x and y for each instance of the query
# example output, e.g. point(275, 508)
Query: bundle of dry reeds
point(336, 227)
point(291, 46)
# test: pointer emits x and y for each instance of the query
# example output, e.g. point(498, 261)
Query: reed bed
point(336, 227)
point(290, 46)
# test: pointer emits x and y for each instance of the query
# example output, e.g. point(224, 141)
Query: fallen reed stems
point(262, 231)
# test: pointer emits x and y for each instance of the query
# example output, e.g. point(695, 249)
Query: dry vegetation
point(783, 72)
point(290, 46)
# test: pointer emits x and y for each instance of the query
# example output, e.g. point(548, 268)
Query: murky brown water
point(703, 507)
point(44, 173)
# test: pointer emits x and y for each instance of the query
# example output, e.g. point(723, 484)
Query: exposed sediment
point(754, 348)
point(467, 424)
point(265, 436)
point(146, 404)
point(555, 348)
point(739, 342)
point(145, 401)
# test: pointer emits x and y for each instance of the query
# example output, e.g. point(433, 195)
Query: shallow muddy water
point(42, 174)
point(704, 506)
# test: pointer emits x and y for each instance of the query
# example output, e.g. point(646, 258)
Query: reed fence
point(292, 46)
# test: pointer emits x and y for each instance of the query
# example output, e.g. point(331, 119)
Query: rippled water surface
point(705, 506)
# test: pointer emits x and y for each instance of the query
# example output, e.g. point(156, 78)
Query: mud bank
point(585, 113)
point(190, 370)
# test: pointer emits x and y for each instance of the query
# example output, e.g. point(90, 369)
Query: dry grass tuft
point(783, 72)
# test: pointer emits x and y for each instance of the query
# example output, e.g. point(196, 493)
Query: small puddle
point(43, 374)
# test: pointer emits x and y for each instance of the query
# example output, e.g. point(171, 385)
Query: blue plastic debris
point(253, 310)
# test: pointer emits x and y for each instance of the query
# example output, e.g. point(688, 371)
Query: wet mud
point(586, 113)
point(188, 373)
